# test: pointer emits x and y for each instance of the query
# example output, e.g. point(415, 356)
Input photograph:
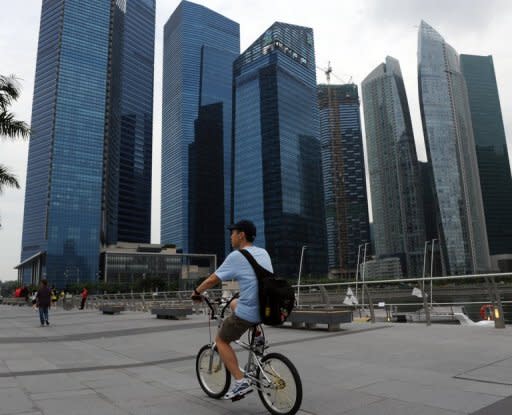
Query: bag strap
point(258, 269)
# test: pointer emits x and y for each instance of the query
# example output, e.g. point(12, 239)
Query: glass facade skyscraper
point(200, 46)
point(451, 152)
point(395, 179)
point(346, 203)
point(491, 150)
point(89, 164)
point(277, 155)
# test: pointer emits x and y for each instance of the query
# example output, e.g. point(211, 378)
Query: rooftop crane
point(328, 72)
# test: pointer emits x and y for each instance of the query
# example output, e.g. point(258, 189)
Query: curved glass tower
point(450, 145)
point(395, 179)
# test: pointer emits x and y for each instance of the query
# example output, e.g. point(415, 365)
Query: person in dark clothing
point(44, 301)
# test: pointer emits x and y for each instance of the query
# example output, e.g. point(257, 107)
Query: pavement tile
point(8, 383)
point(49, 383)
point(449, 399)
point(320, 399)
point(33, 363)
point(61, 394)
point(499, 408)
point(13, 401)
point(395, 407)
point(493, 373)
point(80, 405)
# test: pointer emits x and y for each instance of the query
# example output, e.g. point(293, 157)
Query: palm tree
point(9, 126)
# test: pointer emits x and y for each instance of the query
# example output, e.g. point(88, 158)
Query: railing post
point(370, 304)
point(426, 307)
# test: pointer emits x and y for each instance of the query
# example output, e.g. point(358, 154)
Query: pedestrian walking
point(43, 301)
point(84, 295)
point(54, 296)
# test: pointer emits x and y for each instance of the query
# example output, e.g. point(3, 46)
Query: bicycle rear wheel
point(212, 375)
point(283, 394)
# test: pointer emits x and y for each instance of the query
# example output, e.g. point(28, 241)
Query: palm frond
point(9, 90)
point(11, 127)
point(7, 179)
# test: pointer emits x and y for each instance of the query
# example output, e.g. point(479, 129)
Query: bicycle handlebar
point(219, 302)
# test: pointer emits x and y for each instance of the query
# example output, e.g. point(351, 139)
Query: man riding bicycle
point(246, 310)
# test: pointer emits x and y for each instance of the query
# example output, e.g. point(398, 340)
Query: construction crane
point(328, 72)
point(329, 100)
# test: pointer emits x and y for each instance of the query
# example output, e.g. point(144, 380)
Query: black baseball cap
point(245, 226)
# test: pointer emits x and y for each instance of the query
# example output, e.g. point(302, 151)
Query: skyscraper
point(395, 180)
point(200, 46)
point(277, 158)
point(451, 152)
point(89, 164)
point(346, 203)
point(491, 150)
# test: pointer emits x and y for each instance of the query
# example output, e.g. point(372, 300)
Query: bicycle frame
point(253, 358)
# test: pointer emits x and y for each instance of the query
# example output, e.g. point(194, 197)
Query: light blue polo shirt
point(236, 267)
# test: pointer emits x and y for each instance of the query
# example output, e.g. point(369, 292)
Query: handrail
point(402, 280)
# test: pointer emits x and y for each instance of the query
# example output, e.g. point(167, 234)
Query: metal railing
point(492, 291)
point(145, 301)
point(321, 295)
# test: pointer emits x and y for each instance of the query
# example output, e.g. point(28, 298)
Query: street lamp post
point(364, 272)
point(357, 266)
point(432, 270)
point(304, 247)
point(424, 265)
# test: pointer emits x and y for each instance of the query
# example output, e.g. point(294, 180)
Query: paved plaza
point(87, 363)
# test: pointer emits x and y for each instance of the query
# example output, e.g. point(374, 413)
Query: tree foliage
point(10, 127)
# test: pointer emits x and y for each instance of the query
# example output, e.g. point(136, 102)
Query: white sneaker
point(240, 388)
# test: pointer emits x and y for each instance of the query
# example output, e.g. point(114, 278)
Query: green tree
point(9, 126)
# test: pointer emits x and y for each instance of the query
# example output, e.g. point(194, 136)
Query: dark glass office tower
point(277, 156)
point(89, 164)
point(200, 46)
point(491, 150)
point(395, 179)
point(451, 152)
point(346, 203)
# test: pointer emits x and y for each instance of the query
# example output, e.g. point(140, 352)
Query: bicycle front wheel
point(280, 385)
point(212, 375)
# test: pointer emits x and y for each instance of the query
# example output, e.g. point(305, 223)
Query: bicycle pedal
point(237, 398)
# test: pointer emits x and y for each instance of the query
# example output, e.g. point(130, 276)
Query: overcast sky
point(354, 35)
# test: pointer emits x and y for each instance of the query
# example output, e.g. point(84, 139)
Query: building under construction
point(346, 201)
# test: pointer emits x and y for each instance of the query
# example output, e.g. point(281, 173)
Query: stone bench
point(310, 318)
point(112, 309)
point(15, 301)
point(174, 313)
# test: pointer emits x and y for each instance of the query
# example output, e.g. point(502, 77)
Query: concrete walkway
point(87, 363)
